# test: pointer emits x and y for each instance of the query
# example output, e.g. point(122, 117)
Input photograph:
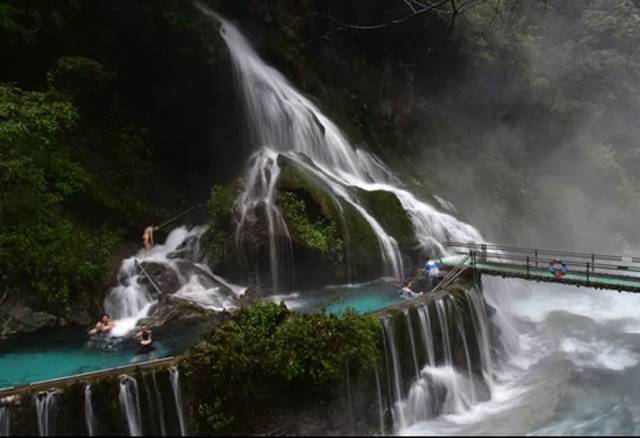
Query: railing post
point(527, 266)
point(593, 263)
point(484, 253)
point(535, 252)
point(587, 272)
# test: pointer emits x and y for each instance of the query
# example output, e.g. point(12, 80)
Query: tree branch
point(387, 24)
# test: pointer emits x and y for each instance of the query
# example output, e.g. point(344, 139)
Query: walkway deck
point(590, 270)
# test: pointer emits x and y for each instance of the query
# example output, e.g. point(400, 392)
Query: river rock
point(164, 276)
point(17, 318)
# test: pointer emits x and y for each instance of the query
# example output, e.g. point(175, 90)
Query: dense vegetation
point(265, 351)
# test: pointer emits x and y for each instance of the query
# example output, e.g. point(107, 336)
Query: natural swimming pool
point(363, 298)
point(60, 352)
point(53, 353)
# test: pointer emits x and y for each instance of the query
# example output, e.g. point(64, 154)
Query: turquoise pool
point(63, 352)
point(363, 298)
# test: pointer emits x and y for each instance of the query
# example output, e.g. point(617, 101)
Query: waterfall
point(130, 300)
point(130, 404)
point(480, 326)
point(441, 310)
point(398, 411)
point(412, 340)
point(46, 411)
point(5, 418)
point(89, 417)
point(283, 122)
point(427, 334)
point(380, 403)
point(163, 427)
point(460, 326)
point(177, 395)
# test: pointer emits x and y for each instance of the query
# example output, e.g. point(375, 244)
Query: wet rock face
point(17, 318)
point(163, 276)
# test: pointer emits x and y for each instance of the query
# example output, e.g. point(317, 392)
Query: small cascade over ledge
point(438, 359)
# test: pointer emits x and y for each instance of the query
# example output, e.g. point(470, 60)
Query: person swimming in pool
point(104, 326)
point(145, 340)
point(144, 335)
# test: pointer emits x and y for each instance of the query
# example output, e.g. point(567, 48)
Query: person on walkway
point(565, 267)
point(105, 325)
point(433, 273)
point(406, 291)
point(147, 238)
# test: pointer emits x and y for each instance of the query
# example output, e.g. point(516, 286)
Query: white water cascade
point(163, 427)
point(282, 122)
point(89, 417)
point(445, 385)
point(174, 375)
point(46, 411)
point(132, 300)
point(5, 419)
point(130, 404)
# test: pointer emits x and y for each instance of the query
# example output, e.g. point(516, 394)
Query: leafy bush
point(320, 235)
point(266, 348)
point(221, 202)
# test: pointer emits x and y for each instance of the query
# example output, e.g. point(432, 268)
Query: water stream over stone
point(89, 417)
point(174, 375)
point(46, 411)
point(130, 404)
point(5, 419)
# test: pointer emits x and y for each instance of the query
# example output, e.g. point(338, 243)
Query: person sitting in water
point(105, 325)
point(145, 340)
point(144, 335)
point(406, 291)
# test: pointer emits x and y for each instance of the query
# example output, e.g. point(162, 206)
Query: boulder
point(17, 318)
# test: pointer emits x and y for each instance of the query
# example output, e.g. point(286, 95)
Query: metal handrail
point(507, 248)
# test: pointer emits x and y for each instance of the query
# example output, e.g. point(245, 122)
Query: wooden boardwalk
point(589, 270)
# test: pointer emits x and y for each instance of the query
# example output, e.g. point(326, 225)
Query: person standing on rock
point(147, 238)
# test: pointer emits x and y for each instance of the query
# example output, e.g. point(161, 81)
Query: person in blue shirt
point(433, 273)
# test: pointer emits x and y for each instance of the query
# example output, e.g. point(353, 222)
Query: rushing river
point(572, 368)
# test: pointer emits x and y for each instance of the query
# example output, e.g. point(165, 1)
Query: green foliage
point(266, 348)
point(41, 251)
point(221, 201)
point(319, 234)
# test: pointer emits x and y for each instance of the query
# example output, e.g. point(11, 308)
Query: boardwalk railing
point(537, 260)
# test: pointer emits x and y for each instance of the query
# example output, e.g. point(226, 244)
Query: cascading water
point(46, 411)
point(163, 427)
point(412, 341)
point(130, 404)
point(177, 395)
point(89, 417)
point(446, 384)
point(282, 122)
point(5, 418)
point(427, 334)
point(132, 300)
point(396, 374)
